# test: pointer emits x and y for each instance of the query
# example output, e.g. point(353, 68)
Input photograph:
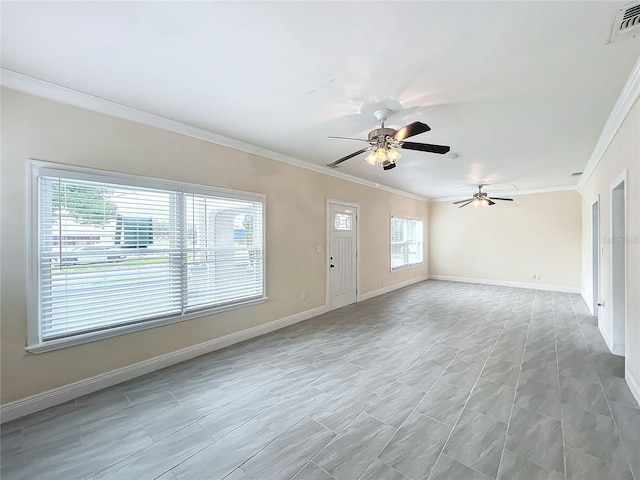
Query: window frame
point(38, 168)
point(406, 265)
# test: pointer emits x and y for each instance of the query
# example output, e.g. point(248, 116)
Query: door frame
point(596, 253)
point(356, 206)
point(617, 347)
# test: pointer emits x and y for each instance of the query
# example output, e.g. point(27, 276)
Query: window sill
point(406, 267)
point(116, 332)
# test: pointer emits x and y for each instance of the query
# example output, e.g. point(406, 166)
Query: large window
point(116, 253)
point(406, 241)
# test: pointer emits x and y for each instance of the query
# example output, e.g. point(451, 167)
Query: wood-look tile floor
point(439, 380)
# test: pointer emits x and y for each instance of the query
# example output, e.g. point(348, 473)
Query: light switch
point(318, 248)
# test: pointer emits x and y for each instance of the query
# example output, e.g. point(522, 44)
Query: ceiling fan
point(481, 198)
point(383, 143)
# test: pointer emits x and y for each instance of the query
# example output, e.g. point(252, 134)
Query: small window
point(342, 221)
point(406, 242)
point(117, 253)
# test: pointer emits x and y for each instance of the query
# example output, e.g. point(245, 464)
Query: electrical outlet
point(381, 282)
point(303, 297)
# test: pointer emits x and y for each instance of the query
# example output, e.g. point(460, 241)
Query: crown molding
point(509, 192)
point(58, 93)
point(623, 105)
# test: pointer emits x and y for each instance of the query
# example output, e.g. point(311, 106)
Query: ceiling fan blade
point(340, 160)
point(425, 147)
point(490, 202)
point(349, 138)
point(462, 201)
point(410, 130)
point(498, 198)
point(465, 204)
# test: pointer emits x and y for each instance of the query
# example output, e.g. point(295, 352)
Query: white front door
point(343, 244)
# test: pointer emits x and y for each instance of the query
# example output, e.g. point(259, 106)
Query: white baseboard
point(391, 288)
point(607, 339)
point(634, 386)
point(19, 408)
point(505, 283)
point(618, 349)
point(588, 303)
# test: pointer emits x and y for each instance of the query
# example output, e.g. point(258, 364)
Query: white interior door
point(343, 255)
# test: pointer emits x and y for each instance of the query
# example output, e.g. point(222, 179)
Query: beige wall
point(623, 154)
point(536, 234)
point(33, 127)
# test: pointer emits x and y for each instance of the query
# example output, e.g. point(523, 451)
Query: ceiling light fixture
point(383, 156)
point(383, 152)
point(480, 199)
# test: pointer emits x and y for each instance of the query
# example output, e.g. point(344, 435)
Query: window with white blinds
point(116, 253)
point(406, 241)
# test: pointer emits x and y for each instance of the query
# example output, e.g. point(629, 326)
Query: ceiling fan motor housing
point(374, 135)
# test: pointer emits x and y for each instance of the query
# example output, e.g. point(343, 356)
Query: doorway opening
point(618, 267)
point(595, 255)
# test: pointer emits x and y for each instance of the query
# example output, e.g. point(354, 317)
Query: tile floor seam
point(412, 411)
point(535, 463)
point(314, 463)
point(617, 430)
point(562, 425)
point(403, 422)
point(461, 463)
point(118, 461)
point(515, 389)
point(328, 428)
point(430, 418)
point(587, 454)
point(352, 420)
point(303, 466)
point(444, 445)
point(392, 468)
point(343, 430)
point(258, 451)
point(274, 440)
point(155, 443)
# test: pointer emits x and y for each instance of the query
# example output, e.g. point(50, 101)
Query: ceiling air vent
point(627, 23)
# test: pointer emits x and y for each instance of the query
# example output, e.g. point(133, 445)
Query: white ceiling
point(519, 90)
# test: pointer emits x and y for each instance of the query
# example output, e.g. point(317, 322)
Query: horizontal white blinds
point(113, 254)
point(406, 241)
point(225, 257)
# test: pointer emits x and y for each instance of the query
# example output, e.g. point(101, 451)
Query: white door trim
point(356, 206)
point(616, 347)
point(598, 265)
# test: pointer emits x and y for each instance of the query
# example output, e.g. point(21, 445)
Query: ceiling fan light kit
point(383, 156)
point(384, 142)
point(482, 201)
